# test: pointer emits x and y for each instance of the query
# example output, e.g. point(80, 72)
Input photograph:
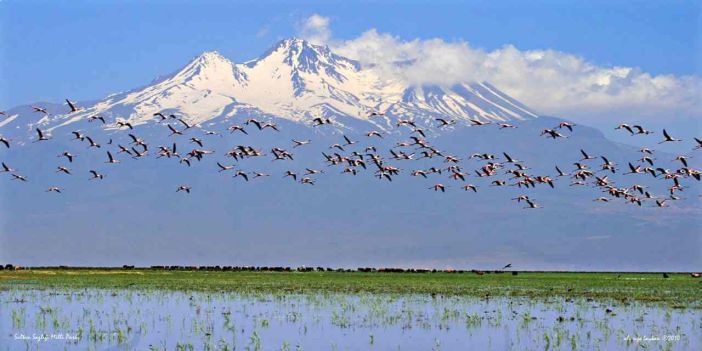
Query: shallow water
point(161, 320)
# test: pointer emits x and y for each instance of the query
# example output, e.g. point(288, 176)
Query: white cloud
point(549, 81)
point(315, 29)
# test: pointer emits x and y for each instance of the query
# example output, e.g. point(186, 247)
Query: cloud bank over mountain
point(550, 81)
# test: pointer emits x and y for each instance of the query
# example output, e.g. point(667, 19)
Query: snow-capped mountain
point(298, 81)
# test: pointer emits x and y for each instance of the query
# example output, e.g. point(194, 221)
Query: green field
point(678, 290)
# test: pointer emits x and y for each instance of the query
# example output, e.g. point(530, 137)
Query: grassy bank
point(678, 289)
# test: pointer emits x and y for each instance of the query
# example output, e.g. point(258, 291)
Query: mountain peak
point(304, 56)
point(208, 64)
point(293, 41)
point(210, 58)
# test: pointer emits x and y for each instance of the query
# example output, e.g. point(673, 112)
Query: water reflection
point(162, 320)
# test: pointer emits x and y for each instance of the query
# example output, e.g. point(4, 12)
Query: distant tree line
point(265, 269)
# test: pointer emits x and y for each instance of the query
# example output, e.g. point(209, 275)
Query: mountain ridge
point(293, 80)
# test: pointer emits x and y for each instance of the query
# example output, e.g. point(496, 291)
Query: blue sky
point(86, 49)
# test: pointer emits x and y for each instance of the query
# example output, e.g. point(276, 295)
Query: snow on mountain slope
point(298, 81)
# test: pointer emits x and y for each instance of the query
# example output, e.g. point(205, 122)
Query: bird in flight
point(41, 136)
point(96, 175)
point(566, 125)
point(54, 189)
point(667, 137)
point(72, 106)
point(6, 168)
point(110, 158)
point(40, 109)
point(552, 134)
point(19, 177)
point(300, 142)
point(626, 127)
point(100, 118)
point(507, 126)
point(321, 121)
point(122, 124)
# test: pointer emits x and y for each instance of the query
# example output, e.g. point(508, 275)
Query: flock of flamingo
point(371, 160)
